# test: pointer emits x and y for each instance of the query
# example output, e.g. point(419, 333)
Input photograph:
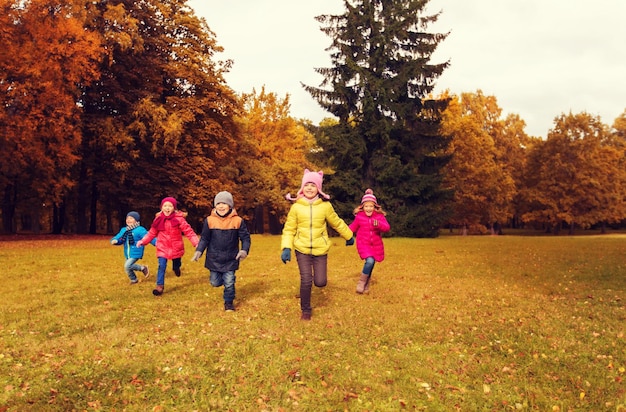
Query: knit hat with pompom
point(369, 197)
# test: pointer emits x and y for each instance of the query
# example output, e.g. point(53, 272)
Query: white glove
point(241, 255)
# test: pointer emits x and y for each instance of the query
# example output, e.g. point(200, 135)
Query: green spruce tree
point(388, 133)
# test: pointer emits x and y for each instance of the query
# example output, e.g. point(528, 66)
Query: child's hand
point(241, 255)
point(114, 241)
point(196, 256)
point(139, 244)
point(285, 256)
point(350, 242)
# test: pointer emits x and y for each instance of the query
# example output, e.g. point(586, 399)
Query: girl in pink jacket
point(168, 227)
point(368, 226)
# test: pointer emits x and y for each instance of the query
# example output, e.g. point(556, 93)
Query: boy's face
point(167, 208)
point(130, 220)
point(222, 208)
point(368, 208)
point(309, 190)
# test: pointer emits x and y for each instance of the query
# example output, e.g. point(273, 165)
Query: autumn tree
point(576, 176)
point(274, 148)
point(511, 143)
point(483, 186)
point(619, 126)
point(161, 119)
point(387, 136)
point(46, 52)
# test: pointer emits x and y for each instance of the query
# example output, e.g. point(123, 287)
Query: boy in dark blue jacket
point(129, 236)
point(222, 232)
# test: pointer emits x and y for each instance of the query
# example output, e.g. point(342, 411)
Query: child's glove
point(241, 255)
point(286, 255)
point(196, 256)
point(350, 242)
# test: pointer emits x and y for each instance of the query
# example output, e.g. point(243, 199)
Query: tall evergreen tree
point(388, 132)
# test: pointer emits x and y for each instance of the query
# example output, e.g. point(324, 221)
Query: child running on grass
point(222, 233)
point(128, 236)
point(368, 225)
point(168, 227)
point(305, 231)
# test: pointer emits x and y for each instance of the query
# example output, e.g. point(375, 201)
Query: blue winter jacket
point(221, 237)
point(130, 250)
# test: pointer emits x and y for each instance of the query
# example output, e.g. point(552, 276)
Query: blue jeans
point(226, 279)
point(130, 266)
point(176, 264)
point(369, 266)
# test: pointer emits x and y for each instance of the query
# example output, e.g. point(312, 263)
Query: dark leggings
point(312, 270)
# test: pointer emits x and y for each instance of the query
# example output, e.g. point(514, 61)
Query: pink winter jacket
point(170, 243)
point(369, 241)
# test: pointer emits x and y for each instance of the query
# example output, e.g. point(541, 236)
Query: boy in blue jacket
point(222, 233)
point(129, 236)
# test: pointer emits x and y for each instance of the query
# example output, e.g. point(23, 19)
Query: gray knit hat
point(134, 215)
point(224, 197)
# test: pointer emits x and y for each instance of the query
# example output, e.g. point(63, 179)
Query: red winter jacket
point(369, 242)
point(170, 241)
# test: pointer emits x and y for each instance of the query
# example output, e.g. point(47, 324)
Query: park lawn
point(486, 323)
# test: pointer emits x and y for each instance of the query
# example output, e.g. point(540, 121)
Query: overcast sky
point(539, 58)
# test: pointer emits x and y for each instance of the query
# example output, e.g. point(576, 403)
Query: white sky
point(539, 58)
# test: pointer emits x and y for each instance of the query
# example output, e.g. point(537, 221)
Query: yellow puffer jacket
point(305, 228)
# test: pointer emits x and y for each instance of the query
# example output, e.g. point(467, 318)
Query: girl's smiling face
point(368, 208)
point(310, 190)
point(167, 208)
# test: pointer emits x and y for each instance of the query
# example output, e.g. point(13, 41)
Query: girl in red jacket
point(168, 227)
point(368, 226)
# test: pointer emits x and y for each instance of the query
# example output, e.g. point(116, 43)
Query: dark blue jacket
point(221, 237)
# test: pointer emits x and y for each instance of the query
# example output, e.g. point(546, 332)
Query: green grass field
point(456, 323)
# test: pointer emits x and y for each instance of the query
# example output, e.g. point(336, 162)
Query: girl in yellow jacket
point(305, 231)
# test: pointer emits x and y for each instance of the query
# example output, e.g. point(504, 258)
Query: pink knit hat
point(369, 197)
point(310, 177)
point(169, 199)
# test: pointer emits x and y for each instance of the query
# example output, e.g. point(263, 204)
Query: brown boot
point(360, 287)
point(158, 291)
point(366, 289)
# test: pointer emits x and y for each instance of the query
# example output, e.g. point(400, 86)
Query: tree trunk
point(36, 218)
point(8, 209)
point(81, 202)
point(93, 216)
point(58, 218)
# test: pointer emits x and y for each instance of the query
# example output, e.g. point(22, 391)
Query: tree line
point(109, 106)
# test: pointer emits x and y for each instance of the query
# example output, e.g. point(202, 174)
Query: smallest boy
point(222, 232)
point(129, 236)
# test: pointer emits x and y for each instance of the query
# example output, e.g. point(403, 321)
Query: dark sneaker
point(177, 272)
point(306, 316)
point(229, 307)
point(158, 291)
point(145, 271)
